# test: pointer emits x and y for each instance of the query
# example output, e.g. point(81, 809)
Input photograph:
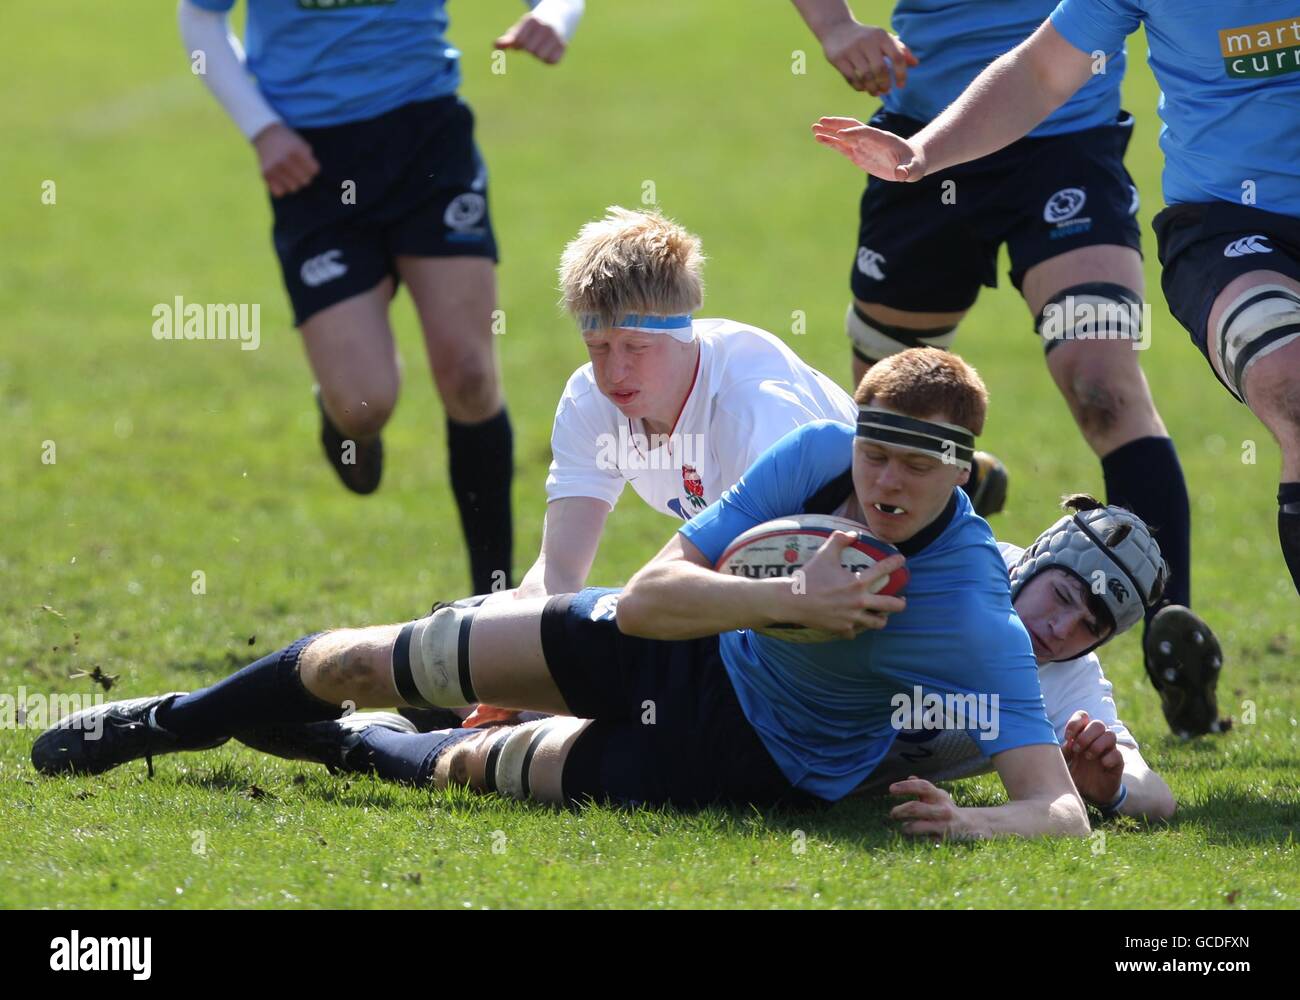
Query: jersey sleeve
point(1001, 662)
point(1080, 684)
point(584, 453)
point(777, 484)
point(220, 6)
point(1097, 25)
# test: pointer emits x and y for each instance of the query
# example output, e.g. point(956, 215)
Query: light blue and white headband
point(678, 327)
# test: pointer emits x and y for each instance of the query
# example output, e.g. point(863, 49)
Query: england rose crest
point(694, 487)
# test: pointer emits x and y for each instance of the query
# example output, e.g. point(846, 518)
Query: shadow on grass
point(1241, 817)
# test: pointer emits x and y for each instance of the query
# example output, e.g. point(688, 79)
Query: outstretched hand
point(881, 154)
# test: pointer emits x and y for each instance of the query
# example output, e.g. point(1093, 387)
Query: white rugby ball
point(782, 546)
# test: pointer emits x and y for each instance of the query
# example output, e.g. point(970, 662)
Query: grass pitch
point(177, 458)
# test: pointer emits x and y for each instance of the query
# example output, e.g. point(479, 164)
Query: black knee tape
point(402, 678)
point(1108, 290)
point(906, 337)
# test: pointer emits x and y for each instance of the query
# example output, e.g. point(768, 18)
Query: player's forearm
point(679, 600)
point(1063, 816)
point(546, 577)
point(1007, 101)
point(823, 16)
point(1148, 796)
point(209, 44)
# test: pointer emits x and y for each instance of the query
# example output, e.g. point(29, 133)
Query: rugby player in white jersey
point(673, 406)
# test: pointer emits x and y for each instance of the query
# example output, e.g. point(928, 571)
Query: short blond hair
point(925, 381)
point(632, 262)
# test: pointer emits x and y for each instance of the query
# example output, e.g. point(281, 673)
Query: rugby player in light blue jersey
point(667, 694)
point(375, 179)
point(1059, 197)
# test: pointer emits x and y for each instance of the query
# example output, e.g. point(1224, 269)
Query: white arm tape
point(562, 15)
point(224, 73)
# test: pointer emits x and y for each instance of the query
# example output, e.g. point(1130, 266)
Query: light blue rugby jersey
point(823, 709)
point(325, 62)
point(1229, 72)
point(956, 39)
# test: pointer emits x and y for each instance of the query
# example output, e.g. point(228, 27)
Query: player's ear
point(964, 478)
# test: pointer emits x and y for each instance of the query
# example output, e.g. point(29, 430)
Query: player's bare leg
point(1101, 380)
point(878, 331)
point(923, 323)
point(1246, 312)
point(352, 354)
point(454, 657)
point(455, 298)
point(307, 687)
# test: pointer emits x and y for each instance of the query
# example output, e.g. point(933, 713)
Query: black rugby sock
point(481, 459)
point(1146, 477)
point(1288, 528)
point(406, 757)
point(263, 693)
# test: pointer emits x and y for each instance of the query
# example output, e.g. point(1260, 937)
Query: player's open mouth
point(890, 509)
point(623, 398)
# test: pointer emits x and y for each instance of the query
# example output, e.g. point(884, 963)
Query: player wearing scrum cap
point(671, 697)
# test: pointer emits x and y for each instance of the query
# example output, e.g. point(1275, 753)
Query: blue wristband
point(1112, 810)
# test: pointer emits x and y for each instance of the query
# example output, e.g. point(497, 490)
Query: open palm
point(881, 154)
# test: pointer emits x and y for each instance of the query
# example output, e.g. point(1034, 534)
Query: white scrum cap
point(1105, 545)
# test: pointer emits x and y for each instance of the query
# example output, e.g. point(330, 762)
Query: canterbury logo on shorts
point(322, 268)
point(1245, 245)
point(869, 262)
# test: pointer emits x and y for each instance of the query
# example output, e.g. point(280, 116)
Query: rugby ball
point(782, 546)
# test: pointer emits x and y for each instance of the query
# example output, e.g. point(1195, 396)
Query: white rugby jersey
point(947, 754)
point(750, 390)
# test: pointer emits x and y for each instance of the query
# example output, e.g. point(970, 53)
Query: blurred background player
point(738, 716)
point(375, 180)
point(1065, 206)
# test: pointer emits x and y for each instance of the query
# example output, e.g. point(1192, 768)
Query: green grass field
point(177, 457)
